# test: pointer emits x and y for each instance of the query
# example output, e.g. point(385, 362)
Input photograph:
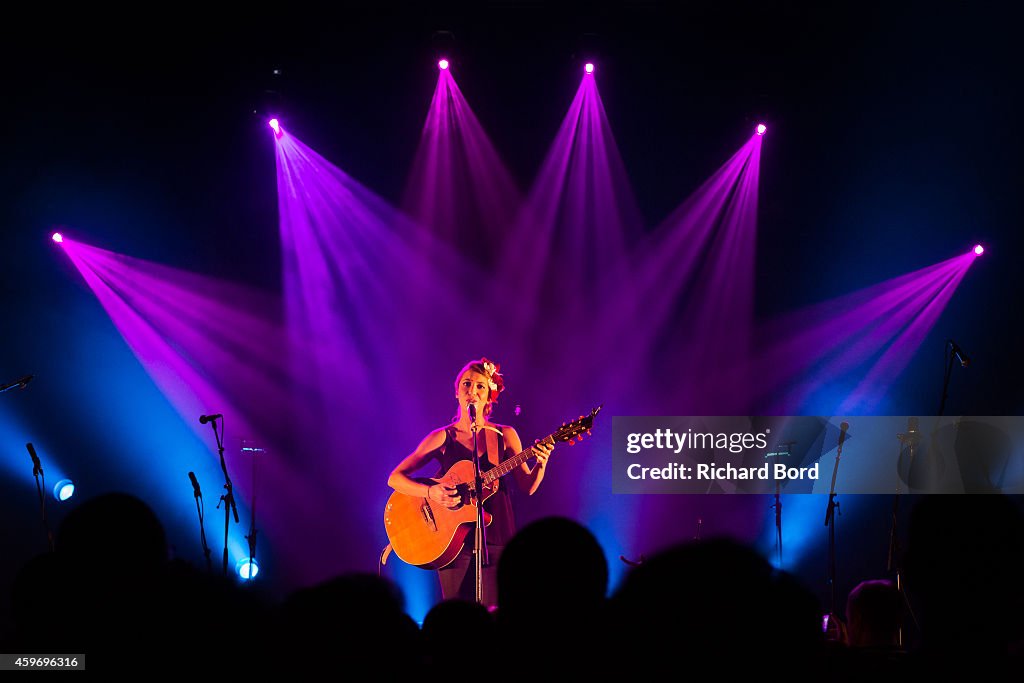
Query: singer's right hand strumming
point(446, 495)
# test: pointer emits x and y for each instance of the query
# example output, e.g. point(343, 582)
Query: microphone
point(21, 383)
point(842, 434)
point(472, 413)
point(195, 485)
point(959, 353)
point(203, 419)
point(37, 467)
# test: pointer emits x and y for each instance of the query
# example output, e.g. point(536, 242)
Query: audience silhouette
point(716, 601)
point(964, 563)
point(110, 590)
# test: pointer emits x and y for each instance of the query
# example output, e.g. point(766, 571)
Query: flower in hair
point(491, 370)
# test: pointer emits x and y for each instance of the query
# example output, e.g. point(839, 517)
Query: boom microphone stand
point(229, 497)
point(830, 520)
point(480, 537)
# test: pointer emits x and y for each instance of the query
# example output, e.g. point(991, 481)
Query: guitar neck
point(506, 466)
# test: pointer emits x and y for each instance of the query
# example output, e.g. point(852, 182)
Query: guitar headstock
point(576, 428)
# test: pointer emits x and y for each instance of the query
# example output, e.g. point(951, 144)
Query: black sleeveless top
point(502, 525)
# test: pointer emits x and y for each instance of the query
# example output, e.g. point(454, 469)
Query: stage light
point(443, 64)
point(761, 128)
point(589, 68)
point(58, 238)
point(979, 250)
point(276, 125)
point(64, 489)
point(244, 568)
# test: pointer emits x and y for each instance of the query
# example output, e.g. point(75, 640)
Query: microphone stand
point(229, 497)
point(202, 529)
point(480, 537)
point(777, 506)
point(37, 466)
point(830, 521)
point(892, 562)
point(909, 441)
point(778, 519)
point(251, 536)
point(904, 440)
point(37, 472)
point(946, 378)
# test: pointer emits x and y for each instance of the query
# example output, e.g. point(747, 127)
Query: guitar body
point(427, 534)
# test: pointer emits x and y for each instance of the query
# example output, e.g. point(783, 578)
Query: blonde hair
point(490, 370)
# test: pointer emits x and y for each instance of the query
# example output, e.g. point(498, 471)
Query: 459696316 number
point(20, 662)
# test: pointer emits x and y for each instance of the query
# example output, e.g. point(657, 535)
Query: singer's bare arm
point(527, 478)
point(400, 481)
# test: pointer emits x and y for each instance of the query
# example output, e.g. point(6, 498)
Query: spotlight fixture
point(63, 489)
point(246, 570)
point(979, 250)
point(57, 237)
point(443, 48)
point(589, 49)
point(276, 125)
point(761, 128)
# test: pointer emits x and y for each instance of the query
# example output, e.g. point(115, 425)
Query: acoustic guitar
point(426, 534)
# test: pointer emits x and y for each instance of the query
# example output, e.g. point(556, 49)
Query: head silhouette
point(551, 566)
point(873, 614)
point(965, 557)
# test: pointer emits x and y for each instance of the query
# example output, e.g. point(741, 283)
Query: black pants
point(458, 580)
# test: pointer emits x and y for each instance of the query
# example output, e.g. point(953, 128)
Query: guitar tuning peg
point(589, 433)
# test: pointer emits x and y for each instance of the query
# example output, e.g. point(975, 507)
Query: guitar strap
point(493, 429)
point(384, 555)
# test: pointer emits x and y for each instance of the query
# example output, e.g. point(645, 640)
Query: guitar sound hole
point(465, 495)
